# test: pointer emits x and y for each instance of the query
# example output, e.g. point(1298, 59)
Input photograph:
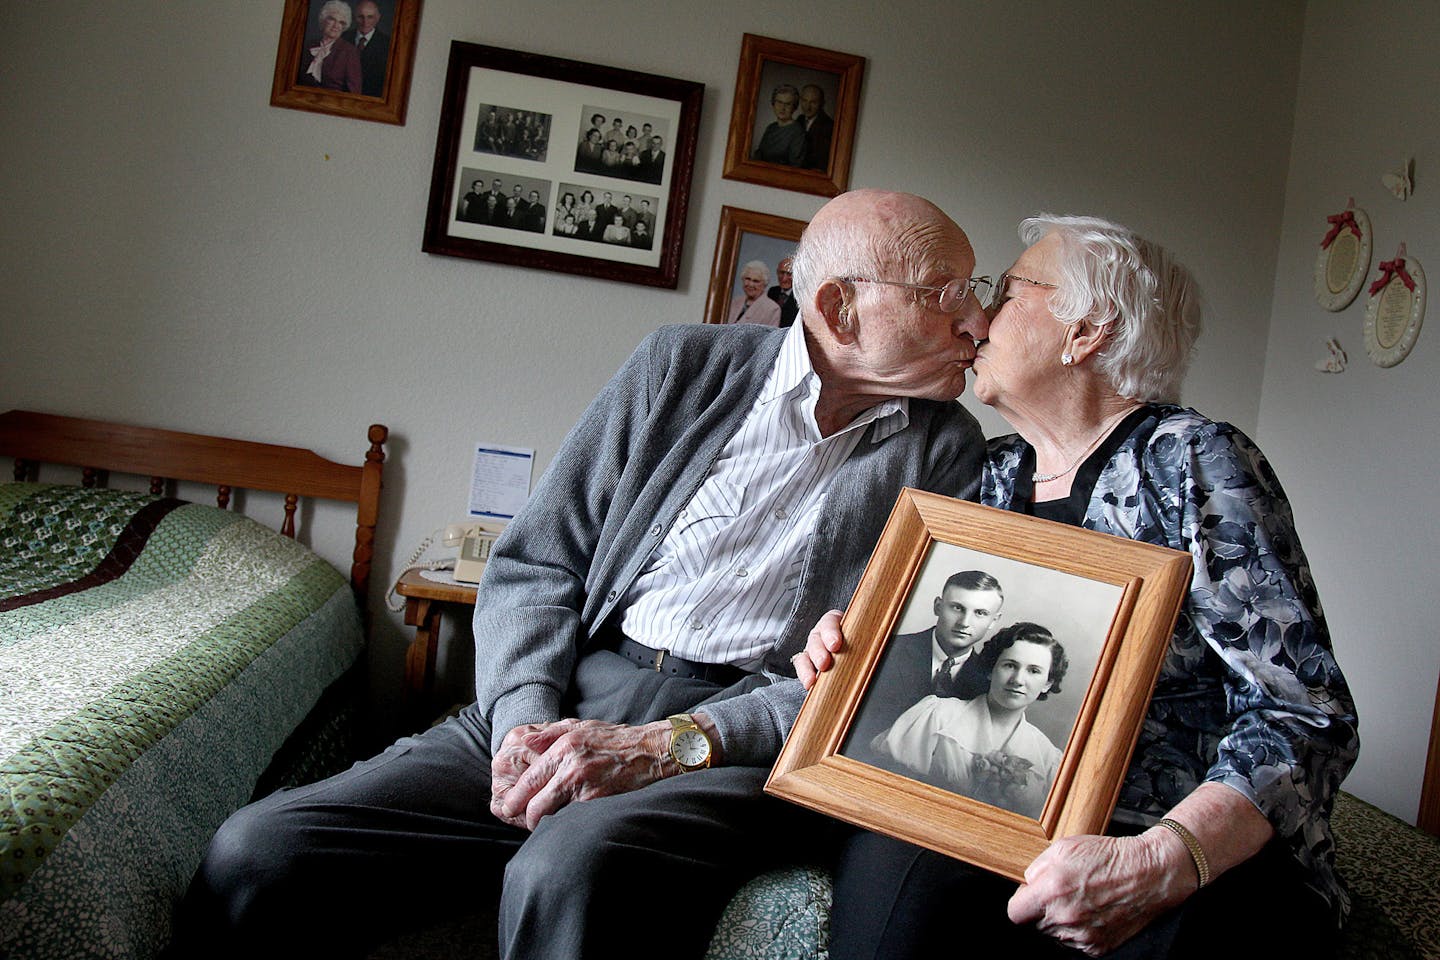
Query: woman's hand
point(820, 647)
point(1094, 893)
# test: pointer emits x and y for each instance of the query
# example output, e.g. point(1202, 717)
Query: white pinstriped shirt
point(719, 586)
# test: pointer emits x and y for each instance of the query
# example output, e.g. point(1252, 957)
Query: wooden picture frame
point(746, 235)
point(563, 99)
point(1131, 594)
point(383, 67)
point(822, 164)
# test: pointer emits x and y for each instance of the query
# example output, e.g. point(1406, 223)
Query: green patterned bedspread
point(153, 656)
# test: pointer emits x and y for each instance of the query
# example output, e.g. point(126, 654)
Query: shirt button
point(697, 625)
point(742, 572)
point(655, 530)
point(610, 597)
point(779, 513)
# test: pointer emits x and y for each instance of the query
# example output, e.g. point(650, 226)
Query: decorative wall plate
point(1344, 259)
point(1396, 310)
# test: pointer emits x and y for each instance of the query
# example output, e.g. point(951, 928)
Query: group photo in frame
point(349, 58)
point(751, 279)
point(562, 165)
point(1051, 639)
point(793, 121)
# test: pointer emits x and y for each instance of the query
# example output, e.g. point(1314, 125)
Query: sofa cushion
point(1393, 873)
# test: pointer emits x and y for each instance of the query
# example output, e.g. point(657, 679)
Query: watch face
point(690, 748)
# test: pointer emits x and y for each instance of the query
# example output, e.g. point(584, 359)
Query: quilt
point(154, 655)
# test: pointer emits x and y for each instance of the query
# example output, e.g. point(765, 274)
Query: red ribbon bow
point(1389, 269)
point(1338, 222)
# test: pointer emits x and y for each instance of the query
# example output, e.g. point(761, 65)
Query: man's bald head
point(875, 233)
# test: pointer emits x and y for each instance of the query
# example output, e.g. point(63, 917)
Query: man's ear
point(836, 301)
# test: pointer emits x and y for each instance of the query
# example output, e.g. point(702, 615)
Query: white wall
point(1357, 451)
point(176, 252)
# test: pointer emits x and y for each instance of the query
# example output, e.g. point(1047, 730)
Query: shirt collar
point(938, 656)
point(794, 376)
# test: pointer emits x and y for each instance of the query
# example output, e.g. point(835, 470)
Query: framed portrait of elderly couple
point(562, 165)
point(349, 58)
point(793, 122)
point(996, 672)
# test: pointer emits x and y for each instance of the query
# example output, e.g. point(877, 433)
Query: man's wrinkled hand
point(542, 767)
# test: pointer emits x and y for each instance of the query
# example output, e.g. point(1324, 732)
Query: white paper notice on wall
point(500, 480)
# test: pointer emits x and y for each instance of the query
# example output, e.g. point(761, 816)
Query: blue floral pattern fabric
point(1250, 694)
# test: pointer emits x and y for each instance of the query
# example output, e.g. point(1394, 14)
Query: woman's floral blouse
point(1250, 694)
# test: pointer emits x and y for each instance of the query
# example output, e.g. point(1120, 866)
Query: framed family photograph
point(750, 280)
point(561, 165)
point(996, 673)
point(347, 58)
point(793, 122)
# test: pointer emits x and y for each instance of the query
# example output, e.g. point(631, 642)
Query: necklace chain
point(1105, 429)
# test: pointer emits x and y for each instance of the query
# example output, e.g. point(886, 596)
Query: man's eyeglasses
point(948, 298)
point(998, 300)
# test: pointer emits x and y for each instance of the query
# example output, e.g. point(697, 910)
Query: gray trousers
point(406, 838)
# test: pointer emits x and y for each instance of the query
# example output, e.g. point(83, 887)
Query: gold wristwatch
point(688, 743)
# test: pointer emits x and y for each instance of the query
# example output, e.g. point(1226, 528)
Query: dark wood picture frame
point(1152, 582)
point(734, 224)
point(841, 71)
point(388, 107)
point(565, 90)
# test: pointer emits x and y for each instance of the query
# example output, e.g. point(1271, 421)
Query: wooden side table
point(424, 601)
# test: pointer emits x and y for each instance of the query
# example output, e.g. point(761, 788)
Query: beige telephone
point(474, 540)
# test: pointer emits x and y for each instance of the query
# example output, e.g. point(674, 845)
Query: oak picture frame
point(735, 225)
point(763, 63)
point(298, 23)
point(567, 94)
point(1151, 580)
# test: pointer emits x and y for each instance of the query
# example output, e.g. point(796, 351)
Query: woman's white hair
point(756, 266)
point(340, 8)
point(1111, 276)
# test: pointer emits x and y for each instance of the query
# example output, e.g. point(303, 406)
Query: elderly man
point(819, 127)
point(374, 47)
point(783, 292)
point(752, 306)
point(634, 629)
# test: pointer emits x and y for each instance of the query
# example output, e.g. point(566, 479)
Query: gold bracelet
point(1197, 853)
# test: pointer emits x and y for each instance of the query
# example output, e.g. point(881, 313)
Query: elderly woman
point(1221, 837)
point(984, 747)
point(753, 306)
point(328, 61)
point(783, 140)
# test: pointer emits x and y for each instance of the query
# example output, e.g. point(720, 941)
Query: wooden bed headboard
point(99, 448)
point(1428, 819)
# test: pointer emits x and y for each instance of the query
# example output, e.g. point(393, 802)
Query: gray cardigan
point(627, 468)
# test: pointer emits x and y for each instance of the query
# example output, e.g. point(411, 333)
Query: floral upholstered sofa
point(1391, 868)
